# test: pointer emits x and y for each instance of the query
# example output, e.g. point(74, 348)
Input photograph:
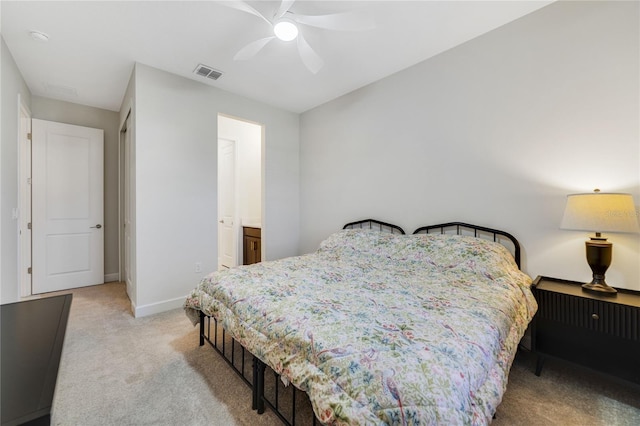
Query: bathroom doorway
point(239, 186)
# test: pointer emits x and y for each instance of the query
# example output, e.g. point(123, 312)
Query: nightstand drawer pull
point(595, 316)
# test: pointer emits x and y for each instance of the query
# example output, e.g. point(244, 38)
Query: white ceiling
point(93, 45)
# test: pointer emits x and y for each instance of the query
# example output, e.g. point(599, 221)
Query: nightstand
point(598, 332)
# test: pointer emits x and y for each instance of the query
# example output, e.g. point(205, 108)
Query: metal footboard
point(232, 352)
point(291, 405)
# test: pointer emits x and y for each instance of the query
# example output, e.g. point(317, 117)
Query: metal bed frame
point(461, 228)
point(375, 224)
point(238, 358)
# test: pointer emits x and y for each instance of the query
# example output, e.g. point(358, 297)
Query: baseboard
point(156, 308)
point(109, 278)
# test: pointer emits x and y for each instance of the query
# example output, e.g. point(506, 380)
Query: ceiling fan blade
point(309, 57)
point(285, 5)
point(360, 20)
point(250, 50)
point(244, 7)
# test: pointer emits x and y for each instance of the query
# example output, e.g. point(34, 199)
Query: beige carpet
point(119, 370)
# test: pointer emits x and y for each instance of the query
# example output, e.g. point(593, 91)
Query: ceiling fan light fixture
point(285, 30)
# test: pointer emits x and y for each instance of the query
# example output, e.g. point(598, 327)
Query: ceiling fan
point(285, 27)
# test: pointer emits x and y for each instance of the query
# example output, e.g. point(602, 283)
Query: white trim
point(158, 307)
point(24, 260)
point(109, 278)
point(120, 172)
point(126, 128)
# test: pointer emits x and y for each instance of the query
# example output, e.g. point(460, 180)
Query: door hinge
point(28, 136)
point(29, 225)
point(29, 270)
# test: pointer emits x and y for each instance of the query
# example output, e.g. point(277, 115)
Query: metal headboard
point(478, 232)
point(374, 224)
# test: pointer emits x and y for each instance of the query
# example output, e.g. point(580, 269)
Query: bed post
point(201, 328)
point(254, 382)
point(258, 384)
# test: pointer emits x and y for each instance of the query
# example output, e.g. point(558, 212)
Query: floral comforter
point(380, 328)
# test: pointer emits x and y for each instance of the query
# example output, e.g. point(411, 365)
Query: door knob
point(97, 226)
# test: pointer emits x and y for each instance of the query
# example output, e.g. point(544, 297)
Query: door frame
point(24, 199)
point(126, 157)
point(237, 220)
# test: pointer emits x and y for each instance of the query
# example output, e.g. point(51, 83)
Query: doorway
point(239, 185)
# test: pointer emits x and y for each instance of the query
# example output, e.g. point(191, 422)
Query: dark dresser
point(32, 337)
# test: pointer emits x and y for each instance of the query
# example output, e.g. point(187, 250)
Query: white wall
point(176, 182)
point(494, 132)
point(81, 115)
point(12, 85)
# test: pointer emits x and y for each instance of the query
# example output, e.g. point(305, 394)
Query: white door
point(226, 203)
point(67, 206)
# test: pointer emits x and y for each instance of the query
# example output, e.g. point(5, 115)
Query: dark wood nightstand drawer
point(603, 317)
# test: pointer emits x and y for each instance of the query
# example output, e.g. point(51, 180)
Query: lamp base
point(601, 289)
point(599, 258)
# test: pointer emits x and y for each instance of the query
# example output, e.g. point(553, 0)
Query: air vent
point(208, 72)
point(59, 90)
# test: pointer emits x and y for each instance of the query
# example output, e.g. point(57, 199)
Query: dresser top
point(32, 338)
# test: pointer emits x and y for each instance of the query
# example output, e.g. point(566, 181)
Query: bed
point(377, 327)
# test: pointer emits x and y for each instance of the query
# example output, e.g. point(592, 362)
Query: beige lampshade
point(600, 212)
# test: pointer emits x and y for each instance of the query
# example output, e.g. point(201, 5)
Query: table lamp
point(600, 212)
